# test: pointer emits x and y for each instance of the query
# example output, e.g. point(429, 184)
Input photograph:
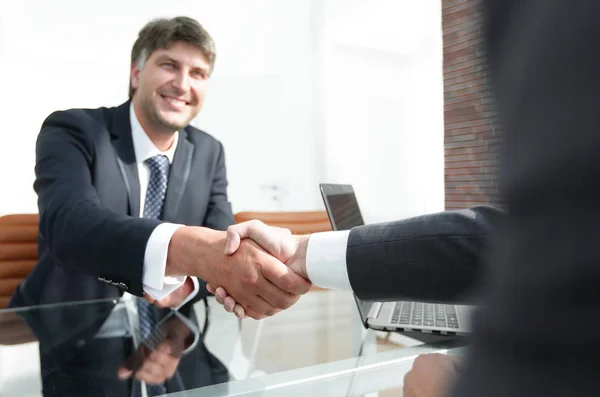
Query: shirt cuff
point(154, 281)
point(326, 260)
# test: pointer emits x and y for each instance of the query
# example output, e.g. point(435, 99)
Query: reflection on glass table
point(316, 344)
point(379, 375)
point(82, 348)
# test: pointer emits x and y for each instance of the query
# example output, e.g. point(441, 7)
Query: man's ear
point(135, 76)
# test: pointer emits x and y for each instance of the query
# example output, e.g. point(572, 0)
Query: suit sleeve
point(434, 257)
point(76, 230)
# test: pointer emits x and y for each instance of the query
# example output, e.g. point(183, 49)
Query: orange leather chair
point(18, 251)
point(301, 222)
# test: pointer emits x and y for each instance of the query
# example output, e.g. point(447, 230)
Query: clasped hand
point(260, 267)
point(278, 242)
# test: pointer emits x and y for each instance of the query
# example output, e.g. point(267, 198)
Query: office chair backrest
point(18, 251)
point(302, 222)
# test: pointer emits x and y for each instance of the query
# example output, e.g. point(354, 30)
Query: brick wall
point(471, 137)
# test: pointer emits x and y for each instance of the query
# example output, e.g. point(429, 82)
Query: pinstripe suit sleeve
point(433, 257)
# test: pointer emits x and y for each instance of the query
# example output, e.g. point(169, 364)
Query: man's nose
point(182, 81)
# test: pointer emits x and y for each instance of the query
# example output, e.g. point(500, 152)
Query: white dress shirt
point(154, 281)
point(326, 260)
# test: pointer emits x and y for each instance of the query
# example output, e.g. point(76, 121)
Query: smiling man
point(115, 188)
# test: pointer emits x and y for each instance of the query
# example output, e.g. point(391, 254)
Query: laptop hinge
point(374, 311)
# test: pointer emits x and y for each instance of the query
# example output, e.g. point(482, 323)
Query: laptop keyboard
point(425, 314)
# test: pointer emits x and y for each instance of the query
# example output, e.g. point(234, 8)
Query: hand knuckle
point(305, 287)
point(420, 361)
point(289, 284)
point(249, 278)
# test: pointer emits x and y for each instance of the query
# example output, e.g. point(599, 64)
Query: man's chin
point(175, 123)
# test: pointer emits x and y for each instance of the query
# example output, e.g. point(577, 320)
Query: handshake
point(253, 269)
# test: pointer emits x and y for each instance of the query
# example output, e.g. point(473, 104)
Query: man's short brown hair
point(161, 33)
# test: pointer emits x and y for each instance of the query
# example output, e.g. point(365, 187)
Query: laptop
point(431, 318)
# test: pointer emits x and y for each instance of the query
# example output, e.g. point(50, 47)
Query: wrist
point(299, 257)
point(192, 249)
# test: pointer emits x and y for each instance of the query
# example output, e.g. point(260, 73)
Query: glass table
point(317, 348)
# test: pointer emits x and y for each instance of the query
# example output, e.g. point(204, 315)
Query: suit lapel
point(123, 144)
point(178, 176)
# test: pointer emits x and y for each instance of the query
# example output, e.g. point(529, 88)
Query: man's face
point(170, 88)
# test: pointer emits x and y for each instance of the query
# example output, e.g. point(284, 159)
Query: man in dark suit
point(115, 188)
point(537, 334)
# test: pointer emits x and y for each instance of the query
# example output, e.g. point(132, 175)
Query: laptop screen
point(342, 206)
point(344, 214)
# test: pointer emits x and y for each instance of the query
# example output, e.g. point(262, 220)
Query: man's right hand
point(431, 375)
point(279, 242)
point(258, 282)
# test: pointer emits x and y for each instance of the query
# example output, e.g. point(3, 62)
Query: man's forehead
point(183, 53)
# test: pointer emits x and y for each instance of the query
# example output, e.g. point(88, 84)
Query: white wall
point(63, 54)
point(304, 91)
point(384, 104)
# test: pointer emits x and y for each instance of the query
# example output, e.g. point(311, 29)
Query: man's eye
point(168, 65)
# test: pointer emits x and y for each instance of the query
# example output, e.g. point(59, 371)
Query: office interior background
point(389, 96)
point(303, 92)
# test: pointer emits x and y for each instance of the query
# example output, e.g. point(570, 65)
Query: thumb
point(233, 238)
point(275, 240)
point(236, 233)
point(124, 373)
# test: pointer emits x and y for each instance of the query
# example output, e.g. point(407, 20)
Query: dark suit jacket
point(538, 335)
point(435, 257)
point(537, 331)
point(91, 241)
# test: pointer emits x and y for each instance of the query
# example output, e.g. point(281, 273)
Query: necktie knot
point(158, 163)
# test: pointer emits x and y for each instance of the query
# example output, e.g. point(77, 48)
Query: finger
point(220, 300)
point(168, 358)
point(159, 366)
point(220, 295)
point(239, 311)
point(250, 312)
point(133, 362)
point(151, 373)
point(124, 373)
point(284, 277)
point(229, 304)
point(210, 289)
point(274, 296)
point(260, 307)
point(221, 292)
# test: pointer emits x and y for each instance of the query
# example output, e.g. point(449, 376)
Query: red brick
point(450, 5)
point(471, 138)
